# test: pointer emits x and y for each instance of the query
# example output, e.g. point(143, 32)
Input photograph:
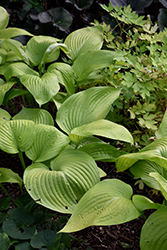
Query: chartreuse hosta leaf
point(38, 116)
point(162, 183)
point(155, 151)
point(18, 69)
point(107, 203)
point(72, 174)
point(102, 151)
point(143, 203)
point(4, 88)
point(42, 89)
point(13, 32)
point(16, 135)
point(162, 131)
point(154, 231)
point(17, 48)
point(83, 40)
point(3, 56)
point(4, 18)
point(85, 107)
point(103, 128)
point(7, 175)
point(48, 142)
point(4, 116)
point(92, 60)
point(143, 168)
point(43, 49)
point(65, 75)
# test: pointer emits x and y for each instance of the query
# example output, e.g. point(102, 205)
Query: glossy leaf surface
point(42, 89)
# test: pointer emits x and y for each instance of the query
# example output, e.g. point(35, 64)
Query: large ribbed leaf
point(42, 89)
point(4, 88)
point(65, 75)
point(18, 69)
point(103, 128)
point(4, 241)
point(162, 183)
point(92, 60)
point(72, 174)
point(7, 175)
point(39, 51)
point(107, 203)
point(13, 32)
point(48, 142)
point(154, 231)
point(162, 131)
point(85, 107)
point(4, 18)
point(155, 151)
point(143, 168)
point(38, 116)
point(16, 136)
point(101, 151)
point(83, 40)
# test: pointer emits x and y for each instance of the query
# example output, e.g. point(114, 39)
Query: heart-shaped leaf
point(83, 40)
point(38, 116)
point(22, 232)
point(42, 89)
point(85, 107)
point(4, 18)
point(103, 128)
point(143, 168)
point(154, 231)
point(107, 203)
point(46, 238)
point(7, 175)
point(48, 142)
point(37, 47)
point(59, 16)
point(65, 75)
point(73, 173)
point(16, 136)
point(162, 183)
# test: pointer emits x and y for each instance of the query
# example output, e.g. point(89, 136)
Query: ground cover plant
point(98, 81)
